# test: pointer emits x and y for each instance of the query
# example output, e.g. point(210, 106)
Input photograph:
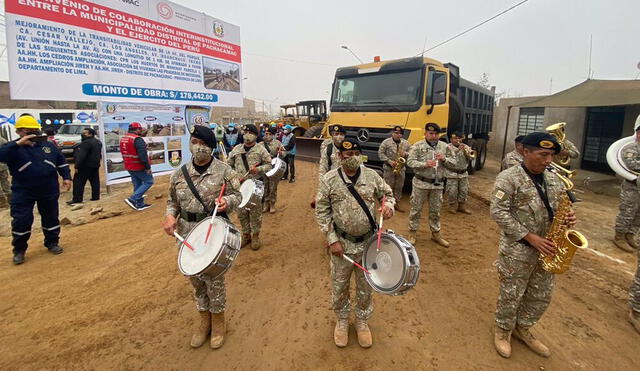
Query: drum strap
point(266, 146)
point(329, 153)
point(193, 189)
point(245, 161)
point(356, 195)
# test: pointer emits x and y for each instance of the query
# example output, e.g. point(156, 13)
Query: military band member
point(426, 158)
point(568, 150)
point(628, 219)
point(634, 298)
point(329, 154)
point(457, 159)
point(389, 152)
point(184, 211)
point(276, 149)
point(250, 161)
point(514, 157)
point(347, 226)
point(523, 204)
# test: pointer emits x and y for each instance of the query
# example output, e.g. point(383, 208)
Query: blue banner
point(105, 90)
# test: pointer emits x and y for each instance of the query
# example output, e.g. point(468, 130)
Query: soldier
point(185, 211)
point(346, 226)
point(251, 161)
point(390, 151)
point(514, 157)
point(523, 204)
point(275, 148)
point(568, 151)
point(628, 219)
point(634, 299)
point(426, 158)
point(5, 185)
point(457, 158)
point(329, 154)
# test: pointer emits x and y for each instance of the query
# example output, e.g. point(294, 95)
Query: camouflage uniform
point(423, 190)
point(634, 291)
point(525, 288)
point(209, 293)
point(5, 185)
point(456, 165)
point(569, 146)
point(628, 219)
point(337, 210)
point(387, 153)
point(271, 184)
point(324, 166)
point(512, 158)
point(251, 220)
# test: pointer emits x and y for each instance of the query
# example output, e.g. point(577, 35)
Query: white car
point(70, 135)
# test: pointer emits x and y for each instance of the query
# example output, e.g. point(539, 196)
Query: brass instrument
point(567, 241)
point(400, 163)
point(469, 152)
point(557, 130)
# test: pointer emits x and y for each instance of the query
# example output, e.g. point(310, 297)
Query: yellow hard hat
point(27, 122)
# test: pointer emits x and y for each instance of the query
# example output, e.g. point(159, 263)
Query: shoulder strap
point(266, 146)
point(245, 161)
point(359, 199)
point(193, 189)
point(329, 153)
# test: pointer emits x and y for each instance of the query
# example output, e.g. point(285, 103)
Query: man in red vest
point(136, 162)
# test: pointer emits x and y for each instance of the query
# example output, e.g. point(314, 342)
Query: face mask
point(287, 131)
point(85, 137)
point(352, 163)
point(250, 138)
point(337, 139)
point(200, 152)
point(268, 138)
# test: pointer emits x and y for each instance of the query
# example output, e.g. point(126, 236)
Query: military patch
point(546, 144)
point(347, 145)
point(499, 195)
point(192, 130)
point(46, 149)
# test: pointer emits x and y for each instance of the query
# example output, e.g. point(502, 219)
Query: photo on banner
point(166, 134)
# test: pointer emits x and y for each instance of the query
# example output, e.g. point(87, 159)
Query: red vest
point(130, 153)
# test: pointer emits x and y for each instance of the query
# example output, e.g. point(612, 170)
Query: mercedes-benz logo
point(363, 135)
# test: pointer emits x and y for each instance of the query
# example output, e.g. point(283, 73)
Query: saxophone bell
point(400, 163)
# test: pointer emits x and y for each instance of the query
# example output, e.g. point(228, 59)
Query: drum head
point(246, 190)
point(192, 262)
point(387, 266)
point(277, 166)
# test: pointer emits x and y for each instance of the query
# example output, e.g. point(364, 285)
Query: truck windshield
point(377, 90)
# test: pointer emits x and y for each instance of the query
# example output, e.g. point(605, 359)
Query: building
point(7, 102)
point(597, 113)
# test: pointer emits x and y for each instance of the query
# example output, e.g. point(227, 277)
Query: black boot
point(18, 258)
point(55, 249)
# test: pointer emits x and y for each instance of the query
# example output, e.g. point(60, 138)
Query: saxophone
point(400, 162)
point(568, 241)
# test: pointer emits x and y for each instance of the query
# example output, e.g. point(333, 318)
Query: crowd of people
point(525, 200)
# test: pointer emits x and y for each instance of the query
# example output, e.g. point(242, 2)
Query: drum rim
point(182, 246)
point(405, 268)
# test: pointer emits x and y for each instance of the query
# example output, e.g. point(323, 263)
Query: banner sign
point(121, 50)
point(166, 135)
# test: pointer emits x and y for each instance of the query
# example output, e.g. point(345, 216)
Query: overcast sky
point(292, 48)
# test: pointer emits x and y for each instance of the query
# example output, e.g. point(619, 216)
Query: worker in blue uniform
point(34, 164)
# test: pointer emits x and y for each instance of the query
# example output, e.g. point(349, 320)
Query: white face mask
point(287, 131)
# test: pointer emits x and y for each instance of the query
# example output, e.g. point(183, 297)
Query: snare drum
point(252, 192)
point(278, 168)
point(215, 257)
point(394, 268)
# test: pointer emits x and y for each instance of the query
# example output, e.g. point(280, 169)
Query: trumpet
point(469, 152)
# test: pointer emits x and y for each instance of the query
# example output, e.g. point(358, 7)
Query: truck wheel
point(482, 153)
point(313, 131)
point(456, 114)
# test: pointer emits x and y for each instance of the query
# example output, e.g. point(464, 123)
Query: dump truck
point(370, 99)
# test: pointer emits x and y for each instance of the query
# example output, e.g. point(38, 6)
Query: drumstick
point(248, 171)
point(215, 211)
point(187, 244)
point(384, 199)
point(356, 264)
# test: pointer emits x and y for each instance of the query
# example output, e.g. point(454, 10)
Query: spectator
point(51, 136)
point(87, 157)
point(136, 162)
point(232, 136)
point(289, 143)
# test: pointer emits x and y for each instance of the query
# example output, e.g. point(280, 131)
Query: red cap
point(135, 125)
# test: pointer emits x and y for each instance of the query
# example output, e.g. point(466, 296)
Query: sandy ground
point(115, 299)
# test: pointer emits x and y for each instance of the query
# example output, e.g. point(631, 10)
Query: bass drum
point(394, 268)
point(614, 158)
point(278, 167)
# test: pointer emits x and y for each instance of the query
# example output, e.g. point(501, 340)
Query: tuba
point(615, 161)
point(557, 130)
point(568, 241)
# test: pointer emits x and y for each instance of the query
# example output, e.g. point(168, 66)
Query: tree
point(484, 81)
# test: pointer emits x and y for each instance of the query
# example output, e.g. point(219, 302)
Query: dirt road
point(115, 299)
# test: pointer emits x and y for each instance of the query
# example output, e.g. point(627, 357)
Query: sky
point(291, 49)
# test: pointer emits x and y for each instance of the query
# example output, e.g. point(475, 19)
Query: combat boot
point(502, 341)
point(634, 318)
point(452, 208)
point(255, 241)
point(218, 330)
point(435, 236)
point(398, 208)
point(272, 207)
point(412, 237)
point(463, 209)
point(364, 333)
point(246, 240)
point(265, 207)
point(341, 333)
point(631, 240)
point(200, 336)
point(534, 344)
point(620, 241)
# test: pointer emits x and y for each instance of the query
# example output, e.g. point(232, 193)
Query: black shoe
point(143, 207)
point(18, 258)
point(95, 199)
point(55, 249)
point(283, 178)
point(130, 203)
point(292, 180)
point(72, 202)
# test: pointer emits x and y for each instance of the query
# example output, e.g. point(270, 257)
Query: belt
point(354, 239)
point(458, 171)
point(196, 217)
point(428, 180)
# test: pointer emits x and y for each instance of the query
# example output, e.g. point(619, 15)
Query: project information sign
point(121, 50)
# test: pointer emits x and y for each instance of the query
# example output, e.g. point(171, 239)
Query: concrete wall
point(630, 115)
point(500, 112)
point(576, 119)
